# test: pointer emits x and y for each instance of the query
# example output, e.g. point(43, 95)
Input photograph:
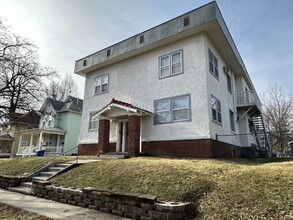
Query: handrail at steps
point(47, 162)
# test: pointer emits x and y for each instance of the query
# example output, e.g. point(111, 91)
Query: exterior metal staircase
point(261, 136)
point(51, 171)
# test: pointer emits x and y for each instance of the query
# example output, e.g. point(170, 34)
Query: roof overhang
point(206, 19)
point(116, 111)
point(6, 137)
point(57, 131)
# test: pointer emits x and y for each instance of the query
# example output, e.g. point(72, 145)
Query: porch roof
point(6, 137)
point(53, 130)
point(124, 107)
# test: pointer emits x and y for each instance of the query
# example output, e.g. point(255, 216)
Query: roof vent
point(141, 39)
point(186, 21)
point(109, 53)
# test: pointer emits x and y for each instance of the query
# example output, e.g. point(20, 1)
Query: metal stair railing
point(261, 133)
point(48, 162)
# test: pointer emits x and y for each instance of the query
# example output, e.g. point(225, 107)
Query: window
point(232, 121)
point(173, 109)
point(213, 64)
point(216, 110)
point(44, 123)
point(229, 83)
point(102, 84)
point(94, 123)
point(171, 64)
point(23, 143)
point(49, 123)
point(84, 62)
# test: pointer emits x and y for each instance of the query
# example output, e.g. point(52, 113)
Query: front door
point(122, 136)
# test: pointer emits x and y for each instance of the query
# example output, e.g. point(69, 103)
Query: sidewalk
point(52, 209)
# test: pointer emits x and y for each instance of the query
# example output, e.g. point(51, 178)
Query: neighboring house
point(173, 90)
point(9, 136)
point(58, 130)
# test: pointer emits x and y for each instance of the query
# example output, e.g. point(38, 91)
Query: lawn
point(222, 189)
point(19, 166)
point(9, 212)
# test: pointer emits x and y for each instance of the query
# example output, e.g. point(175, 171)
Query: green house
point(58, 131)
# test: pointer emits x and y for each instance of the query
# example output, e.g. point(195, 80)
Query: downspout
point(140, 136)
point(66, 135)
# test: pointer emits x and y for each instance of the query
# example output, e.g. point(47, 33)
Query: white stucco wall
point(136, 81)
point(218, 88)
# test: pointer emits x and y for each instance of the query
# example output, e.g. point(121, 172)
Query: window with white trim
point(216, 110)
point(213, 64)
point(174, 109)
point(232, 120)
point(93, 123)
point(170, 64)
point(101, 84)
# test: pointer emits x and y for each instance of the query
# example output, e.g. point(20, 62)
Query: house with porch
point(9, 136)
point(179, 89)
point(58, 130)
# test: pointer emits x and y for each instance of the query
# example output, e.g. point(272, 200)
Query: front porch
point(50, 140)
point(127, 121)
point(6, 142)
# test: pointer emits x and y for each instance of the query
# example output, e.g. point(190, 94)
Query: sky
point(67, 30)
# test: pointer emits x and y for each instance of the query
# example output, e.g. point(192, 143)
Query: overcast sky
point(67, 30)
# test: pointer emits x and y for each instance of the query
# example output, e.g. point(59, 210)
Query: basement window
point(108, 53)
point(186, 21)
point(84, 62)
point(141, 39)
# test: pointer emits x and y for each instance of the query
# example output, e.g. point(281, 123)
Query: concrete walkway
point(52, 209)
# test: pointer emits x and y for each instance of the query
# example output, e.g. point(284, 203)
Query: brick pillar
point(104, 130)
point(133, 135)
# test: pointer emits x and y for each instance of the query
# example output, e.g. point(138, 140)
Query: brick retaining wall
point(128, 205)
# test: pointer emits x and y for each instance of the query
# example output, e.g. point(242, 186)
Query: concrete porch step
point(112, 156)
point(48, 173)
point(24, 188)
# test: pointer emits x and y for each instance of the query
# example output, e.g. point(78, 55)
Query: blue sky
point(68, 30)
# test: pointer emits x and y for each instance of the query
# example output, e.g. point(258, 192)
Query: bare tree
point(278, 116)
point(59, 89)
point(21, 76)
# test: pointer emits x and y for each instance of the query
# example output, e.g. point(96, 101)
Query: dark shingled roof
point(70, 104)
point(30, 118)
point(57, 105)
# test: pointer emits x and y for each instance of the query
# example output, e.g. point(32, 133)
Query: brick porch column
point(133, 135)
point(104, 130)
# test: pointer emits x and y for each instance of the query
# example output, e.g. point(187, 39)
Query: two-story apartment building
point(177, 89)
point(58, 130)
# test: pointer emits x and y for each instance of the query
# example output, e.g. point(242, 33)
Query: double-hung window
point(216, 110)
point(101, 84)
point(174, 109)
point(94, 123)
point(170, 64)
point(213, 64)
